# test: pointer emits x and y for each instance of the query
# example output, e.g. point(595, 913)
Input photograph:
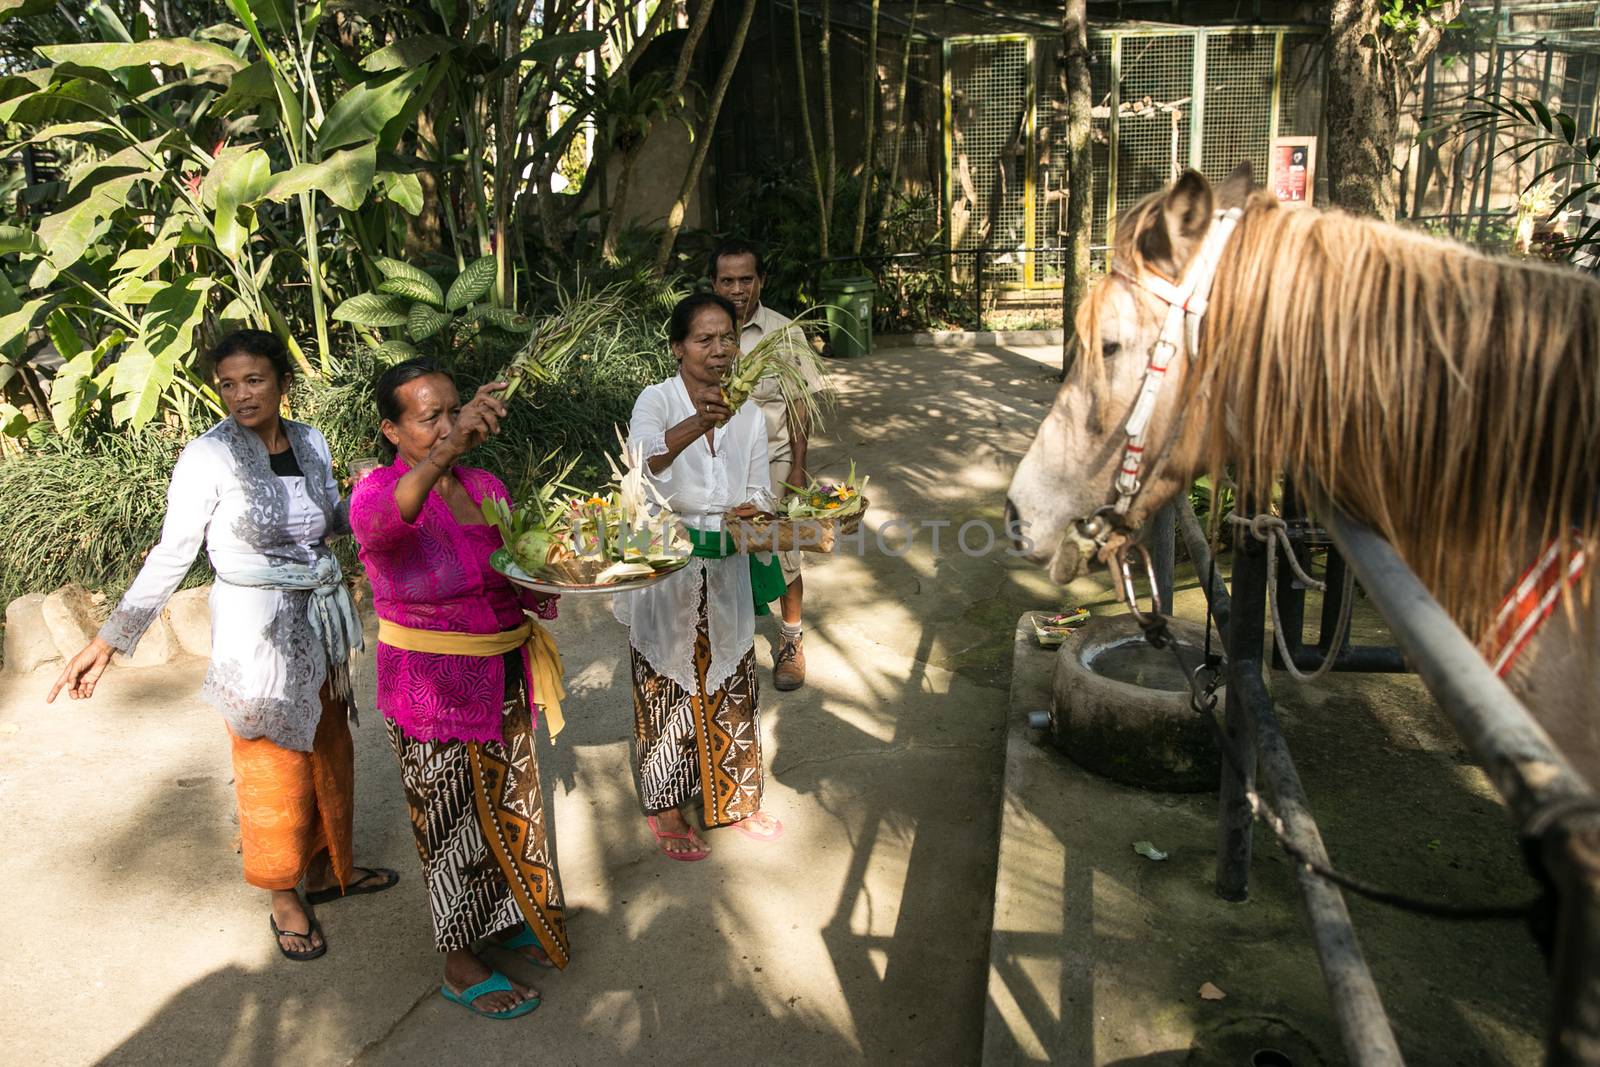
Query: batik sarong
point(478, 817)
point(686, 743)
point(294, 805)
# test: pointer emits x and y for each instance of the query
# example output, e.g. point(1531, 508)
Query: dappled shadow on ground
point(864, 934)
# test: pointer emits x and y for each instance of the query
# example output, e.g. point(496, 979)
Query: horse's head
point(1069, 473)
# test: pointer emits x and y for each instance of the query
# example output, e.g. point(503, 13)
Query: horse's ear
point(1183, 218)
point(1236, 188)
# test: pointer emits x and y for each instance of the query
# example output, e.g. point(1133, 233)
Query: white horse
point(1449, 399)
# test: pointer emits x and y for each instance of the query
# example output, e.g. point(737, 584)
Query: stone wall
point(44, 630)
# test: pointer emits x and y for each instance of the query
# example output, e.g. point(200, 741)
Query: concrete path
point(861, 936)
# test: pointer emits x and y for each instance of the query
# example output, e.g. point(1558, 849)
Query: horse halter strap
point(1186, 307)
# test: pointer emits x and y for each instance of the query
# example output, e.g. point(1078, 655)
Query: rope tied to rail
point(1272, 531)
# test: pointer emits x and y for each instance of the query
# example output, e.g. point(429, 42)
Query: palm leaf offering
point(827, 500)
point(567, 536)
point(785, 356)
point(560, 335)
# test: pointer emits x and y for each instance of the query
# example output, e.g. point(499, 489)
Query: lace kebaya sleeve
point(191, 500)
point(647, 429)
point(375, 514)
point(339, 518)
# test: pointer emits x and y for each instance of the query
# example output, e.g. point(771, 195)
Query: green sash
point(766, 579)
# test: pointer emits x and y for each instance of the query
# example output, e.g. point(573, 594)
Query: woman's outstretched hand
point(82, 672)
point(479, 419)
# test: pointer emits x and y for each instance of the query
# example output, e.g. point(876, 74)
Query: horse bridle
point(1186, 302)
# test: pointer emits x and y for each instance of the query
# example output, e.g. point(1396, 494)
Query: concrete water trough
point(1120, 707)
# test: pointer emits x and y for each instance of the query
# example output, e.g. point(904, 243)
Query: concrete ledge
point(972, 339)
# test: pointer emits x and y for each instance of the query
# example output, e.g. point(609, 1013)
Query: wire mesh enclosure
point(1164, 99)
point(1480, 184)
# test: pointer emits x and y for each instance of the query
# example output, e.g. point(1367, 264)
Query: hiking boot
point(789, 665)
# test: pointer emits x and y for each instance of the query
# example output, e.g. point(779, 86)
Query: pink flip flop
point(666, 835)
point(749, 831)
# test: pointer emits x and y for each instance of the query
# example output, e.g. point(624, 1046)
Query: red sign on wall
point(1294, 170)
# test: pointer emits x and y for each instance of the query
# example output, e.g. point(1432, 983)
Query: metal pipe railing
point(1514, 751)
point(1363, 1025)
point(1556, 813)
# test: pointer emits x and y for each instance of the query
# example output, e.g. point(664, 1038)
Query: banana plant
point(413, 303)
point(190, 155)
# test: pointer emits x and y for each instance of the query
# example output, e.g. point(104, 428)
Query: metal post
point(1246, 631)
point(1572, 855)
point(1332, 601)
point(1161, 539)
point(1549, 803)
point(1194, 539)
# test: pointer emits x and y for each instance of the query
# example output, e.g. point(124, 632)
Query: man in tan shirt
point(736, 273)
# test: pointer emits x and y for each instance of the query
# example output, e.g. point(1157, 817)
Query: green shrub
point(85, 512)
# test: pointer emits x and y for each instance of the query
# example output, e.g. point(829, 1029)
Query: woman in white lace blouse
point(692, 635)
point(259, 491)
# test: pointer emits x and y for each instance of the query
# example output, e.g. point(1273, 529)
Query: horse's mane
point(1448, 398)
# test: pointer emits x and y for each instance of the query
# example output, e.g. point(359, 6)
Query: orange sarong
point(294, 805)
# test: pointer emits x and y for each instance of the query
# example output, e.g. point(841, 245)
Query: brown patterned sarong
point(478, 816)
point(682, 739)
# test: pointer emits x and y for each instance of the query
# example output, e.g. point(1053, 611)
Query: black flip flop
point(300, 956)
point(359, 886)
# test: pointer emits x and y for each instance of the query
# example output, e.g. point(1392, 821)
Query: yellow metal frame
point(1201, 36)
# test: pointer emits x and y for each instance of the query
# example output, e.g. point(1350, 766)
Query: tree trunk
point(425, 231)
point(1079, 214)
point(832, 152)
point(615, 218)
point(619, 202)
point(803, 101)
point(869, 111)
point(1370, 72)
point(900, 104)
point(702, 147)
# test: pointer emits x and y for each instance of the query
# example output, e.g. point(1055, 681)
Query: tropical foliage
point(423, 311)
point(253, 162)
point(1566, 158)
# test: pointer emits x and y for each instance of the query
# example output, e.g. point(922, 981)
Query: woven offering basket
point(786, 535)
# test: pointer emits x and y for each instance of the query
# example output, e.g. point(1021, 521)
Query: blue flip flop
point(524, 939)
point(495, 983)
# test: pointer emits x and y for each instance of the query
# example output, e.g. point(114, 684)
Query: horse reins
point(1187, 301)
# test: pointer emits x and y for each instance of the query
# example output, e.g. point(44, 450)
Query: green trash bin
point(849, 303)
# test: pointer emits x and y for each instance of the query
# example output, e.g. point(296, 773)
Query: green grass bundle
point(786, 357)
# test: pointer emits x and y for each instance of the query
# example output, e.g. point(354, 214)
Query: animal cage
point(1165, 98)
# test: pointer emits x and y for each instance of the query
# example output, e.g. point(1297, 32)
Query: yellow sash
point(543, 657)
